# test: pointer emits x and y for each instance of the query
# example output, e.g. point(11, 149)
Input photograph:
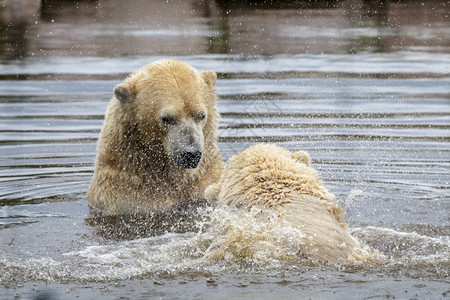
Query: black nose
point(188, 160)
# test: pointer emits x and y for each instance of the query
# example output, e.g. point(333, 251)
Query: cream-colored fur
point(157, 113)
point(269, 177)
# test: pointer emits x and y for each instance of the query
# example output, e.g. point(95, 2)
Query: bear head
point(170, 103)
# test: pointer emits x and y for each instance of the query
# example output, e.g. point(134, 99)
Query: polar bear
point(157, 148)
point(273, 179)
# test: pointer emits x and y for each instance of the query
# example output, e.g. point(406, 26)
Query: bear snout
point(188, 159)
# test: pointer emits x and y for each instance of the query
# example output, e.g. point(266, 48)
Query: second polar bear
point(276, 180)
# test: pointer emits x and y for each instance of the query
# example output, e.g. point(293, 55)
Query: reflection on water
point(129, 227)
point(363, 86)
point(136, 27)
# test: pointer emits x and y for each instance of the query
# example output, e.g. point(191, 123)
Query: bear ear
point(209, 77)
point(302, 157)
point(122, 93)
point(211, 193)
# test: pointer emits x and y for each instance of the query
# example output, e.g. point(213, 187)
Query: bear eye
point(200, 117)
point(169, 120)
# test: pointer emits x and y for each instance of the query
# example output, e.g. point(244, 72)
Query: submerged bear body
point(279, 183)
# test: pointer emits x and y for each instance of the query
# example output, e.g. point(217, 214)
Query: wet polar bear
point(307, 223)
point(158, 145)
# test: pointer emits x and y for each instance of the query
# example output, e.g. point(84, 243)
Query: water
point(364, 88)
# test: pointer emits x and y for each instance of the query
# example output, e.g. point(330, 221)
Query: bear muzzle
point(188, 159)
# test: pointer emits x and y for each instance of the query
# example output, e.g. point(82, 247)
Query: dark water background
point(363, 86)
